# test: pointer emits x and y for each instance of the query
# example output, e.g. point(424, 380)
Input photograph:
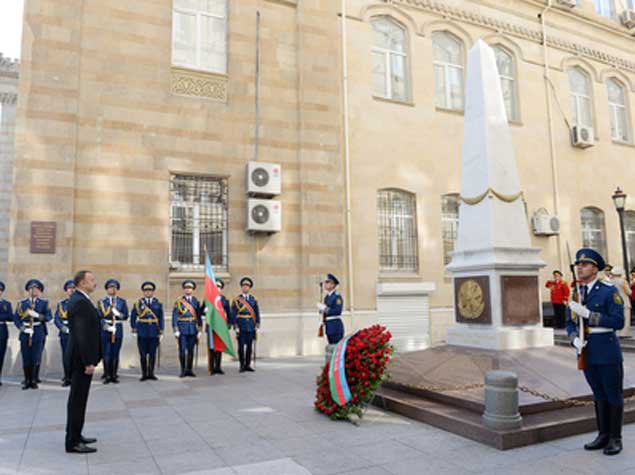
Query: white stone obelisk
point(494, 267)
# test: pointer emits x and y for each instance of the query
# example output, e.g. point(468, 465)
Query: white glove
point(65, 330)
point(160, 337)
point(321, 307)
point(198, 335)
point(33, 313)
point(578, 344)
point(177, 334)
point(116, 312)
point(29, 331)
point(112, 329)
point(134, 332)
point(579, 309)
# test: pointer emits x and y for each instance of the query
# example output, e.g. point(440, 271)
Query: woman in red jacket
point(559, 298)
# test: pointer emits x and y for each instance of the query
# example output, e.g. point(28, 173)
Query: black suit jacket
point(84, 342)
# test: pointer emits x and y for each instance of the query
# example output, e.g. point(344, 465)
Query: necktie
point(584, 293)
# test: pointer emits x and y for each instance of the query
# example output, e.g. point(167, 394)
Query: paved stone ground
point(259, 423)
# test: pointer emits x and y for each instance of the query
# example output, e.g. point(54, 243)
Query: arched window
point(448, 70)
point(593, 231)
point(617, 110)
point(449, 224)
point(397, 227)
point(507, 74)
point(389, 59)
point(605, 8)
point(581, 103)
point(629, 227)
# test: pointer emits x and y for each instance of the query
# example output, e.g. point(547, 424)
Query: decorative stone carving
point(185, 82)
point(8, 98)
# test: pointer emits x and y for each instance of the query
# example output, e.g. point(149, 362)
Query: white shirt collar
point(590, 285)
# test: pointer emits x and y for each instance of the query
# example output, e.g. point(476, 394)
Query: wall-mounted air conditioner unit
point(582, 137)
point(264, 216)
point(545, 224)
point(263, 179)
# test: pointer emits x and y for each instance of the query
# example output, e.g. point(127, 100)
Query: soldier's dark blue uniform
point(604, 371)
point(6, 317)
point(245, 315)
point(61, 322)
point(112, 345)
point(186, 323)
point(147, 321)
point(333, 303)
point(30, 317)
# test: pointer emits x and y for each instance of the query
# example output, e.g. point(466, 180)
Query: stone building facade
point(136, 121)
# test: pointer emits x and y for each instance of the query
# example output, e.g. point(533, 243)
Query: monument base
point(500, 338)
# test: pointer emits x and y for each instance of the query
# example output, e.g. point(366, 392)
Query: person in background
point(559, 298)
point(61, 322)
point(6, 316)
point(617, 279)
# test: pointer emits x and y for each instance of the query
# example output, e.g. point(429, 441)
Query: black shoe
point(81, 449)
point(151, 375)
point(182, 363)
point(602, 421)
point(144, 369)
point(66, 383)
point(250, 369)
point(34, 384)
point(242, 370)
point(87, 440)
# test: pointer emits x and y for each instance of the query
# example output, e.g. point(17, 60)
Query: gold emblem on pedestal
point(470, 300)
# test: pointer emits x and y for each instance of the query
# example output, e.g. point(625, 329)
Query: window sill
point(195, 272)
point(195, 83)
point(450, 111)
point(388, 276)
point(516, 123)
point(623, 144)
point(394, 101)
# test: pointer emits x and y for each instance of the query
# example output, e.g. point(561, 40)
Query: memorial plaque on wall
point(520, 300)
point(472, 300)
point(43, 237)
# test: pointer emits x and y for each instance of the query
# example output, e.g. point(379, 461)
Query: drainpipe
point(347, 162)
point(552, 145)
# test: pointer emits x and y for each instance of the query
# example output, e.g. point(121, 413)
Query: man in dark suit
point(83, 354)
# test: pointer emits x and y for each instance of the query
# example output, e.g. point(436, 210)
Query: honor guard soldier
point(6, 316)
point(186, 323)
point(245, 317)
point(30, 317)
point(146, 320)
point(61, 322)
point(215, 357)
point(331, 310)
point(112, 310)
point(602, 311)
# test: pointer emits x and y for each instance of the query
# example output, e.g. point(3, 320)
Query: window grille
point(397, 227)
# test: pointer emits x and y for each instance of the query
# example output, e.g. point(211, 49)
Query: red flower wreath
point(367, 355)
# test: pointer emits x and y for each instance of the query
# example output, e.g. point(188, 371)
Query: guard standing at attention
point(331, 310)
point(245, 316)
point(6, 316)
point(112, 310)
point(61, 322)
point(187, 323)
point(31, 316)
point(602, 311)
point(146, 320)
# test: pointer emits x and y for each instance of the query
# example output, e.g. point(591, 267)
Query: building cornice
point(520, 31)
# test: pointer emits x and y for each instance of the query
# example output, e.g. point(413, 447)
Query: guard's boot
point(217, 367)
point(34, 379)
point(37, 374)
point(114, 368)
point(190, 363)
point(602, 420)
point(26, 384)
point(248, 359)
point(1, 361)
point(151, 363)
point(211, 368)
point(182, 362)
point(616, 415)
point(107, 372)
point(144, 369)
point(241, 357)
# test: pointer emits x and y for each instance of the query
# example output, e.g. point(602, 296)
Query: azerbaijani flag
point(340, 391)
point(215, 314)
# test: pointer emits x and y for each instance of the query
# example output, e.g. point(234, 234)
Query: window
point(581, 105)
point(199, 34)
point(605, 8)
point(448, 70)
point(198, 218)
point(593, 234)
point(389, 60)
point(629, 227)
point(397, 223)
point(450, 224)
point(507, 74)
point(618, 111)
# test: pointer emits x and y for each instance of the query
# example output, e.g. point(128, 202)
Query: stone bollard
point(328, 351)
point(501, 401)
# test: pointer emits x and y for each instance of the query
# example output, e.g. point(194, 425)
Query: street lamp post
point(619, 199)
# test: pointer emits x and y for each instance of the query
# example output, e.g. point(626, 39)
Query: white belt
point(601, 330)
point(336, 317)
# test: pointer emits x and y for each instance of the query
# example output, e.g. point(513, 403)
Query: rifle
point(255, 341)
point(113, 335)
point(31, 307)
point(320, 313)
point(581, 353)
